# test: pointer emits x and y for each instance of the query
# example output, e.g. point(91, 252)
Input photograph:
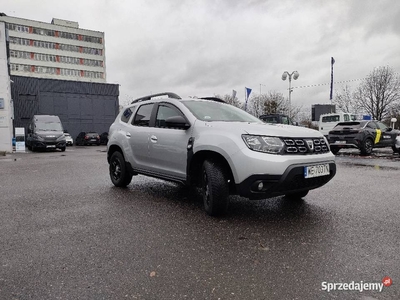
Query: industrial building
point(53, 68)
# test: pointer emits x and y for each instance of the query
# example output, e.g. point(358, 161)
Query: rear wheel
point(366, 147)
point(215, 190)
point(119, 173)
point(296, 196)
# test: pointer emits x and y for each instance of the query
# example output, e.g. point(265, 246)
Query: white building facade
point(6, 106)
point(56, 50)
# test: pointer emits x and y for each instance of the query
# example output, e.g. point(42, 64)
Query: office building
point(56, 50)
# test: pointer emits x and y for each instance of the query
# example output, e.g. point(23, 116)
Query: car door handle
point(128, 134)
point(153, 138)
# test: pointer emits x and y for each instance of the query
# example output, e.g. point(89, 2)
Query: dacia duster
point(217, 147)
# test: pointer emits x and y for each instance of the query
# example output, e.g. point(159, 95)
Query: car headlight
point(267, 144)
point(61, 138)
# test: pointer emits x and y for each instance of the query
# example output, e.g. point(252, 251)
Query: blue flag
point(248, 91)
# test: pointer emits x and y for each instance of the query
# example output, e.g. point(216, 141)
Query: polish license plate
point(50, 146)
point(316, 171)
point(340, 142)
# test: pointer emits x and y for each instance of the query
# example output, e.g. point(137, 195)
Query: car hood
point(280, 130)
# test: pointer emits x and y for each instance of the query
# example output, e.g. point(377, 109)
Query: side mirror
point(389, 129)
point(177, 122)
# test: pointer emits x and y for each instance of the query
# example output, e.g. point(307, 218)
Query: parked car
point(218, 147)
point(363, 135)
point(328, 121)
point(87, 138)
point(104, 138)
point(277, 119)
point(45, 132)
point(396, 147)
point(68, 139)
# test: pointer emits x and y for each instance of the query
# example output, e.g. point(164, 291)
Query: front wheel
point(395, 150)
point(119, 174)
point(215, 190)
point(296, 196)
point(366, 147)
point(62, 149)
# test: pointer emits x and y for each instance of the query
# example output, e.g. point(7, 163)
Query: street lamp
point(295, 75)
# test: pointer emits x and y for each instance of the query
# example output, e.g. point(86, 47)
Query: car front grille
point(305, 146)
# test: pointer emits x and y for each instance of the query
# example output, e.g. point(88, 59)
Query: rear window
point(353, 125)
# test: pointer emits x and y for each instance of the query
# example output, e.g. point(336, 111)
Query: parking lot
point(67, 233)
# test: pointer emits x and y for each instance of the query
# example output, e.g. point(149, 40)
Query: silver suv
point(218, 147)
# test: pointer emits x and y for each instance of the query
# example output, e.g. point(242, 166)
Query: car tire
point(367, 146)
point(335, 150)
point(33, 148)
point(29, 147)
point(215, 190)
point(395, 150)
point(296, 196)
point(119, 173)
point(62, 149)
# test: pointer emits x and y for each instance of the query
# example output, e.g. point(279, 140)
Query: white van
point(328, 121)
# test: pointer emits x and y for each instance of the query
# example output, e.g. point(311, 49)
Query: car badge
point(310, 144)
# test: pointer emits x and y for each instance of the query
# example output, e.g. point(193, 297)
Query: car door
point(387, 138)
point(138, 135)
point(168, 145)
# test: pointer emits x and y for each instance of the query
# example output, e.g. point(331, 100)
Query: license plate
point(50, 146)
point(316, 171)
point(340, 142)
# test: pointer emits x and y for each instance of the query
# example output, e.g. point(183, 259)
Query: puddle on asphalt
point(376, 167)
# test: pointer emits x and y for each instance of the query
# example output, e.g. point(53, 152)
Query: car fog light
point(260, 186)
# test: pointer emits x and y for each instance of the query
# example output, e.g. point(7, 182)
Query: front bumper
point(291, 181)
point(48, 145)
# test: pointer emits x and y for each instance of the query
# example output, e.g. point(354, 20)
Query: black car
point(363, 135)
point(104, 138)
point(87, 138)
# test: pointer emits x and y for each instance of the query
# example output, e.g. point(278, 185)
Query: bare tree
point(231, 100)
point(344, 100)
point(271, 103)
point(379, 93)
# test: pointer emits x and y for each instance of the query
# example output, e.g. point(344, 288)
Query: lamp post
point(295, 75)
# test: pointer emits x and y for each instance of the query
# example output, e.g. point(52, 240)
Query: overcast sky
point(205, 47)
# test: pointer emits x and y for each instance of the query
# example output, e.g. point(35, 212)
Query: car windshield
point(210, 111)
point(49, 126)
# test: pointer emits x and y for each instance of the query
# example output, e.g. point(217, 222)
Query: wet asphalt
point(67, 233)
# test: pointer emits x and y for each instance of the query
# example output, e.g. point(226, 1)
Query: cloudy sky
point(207, 47)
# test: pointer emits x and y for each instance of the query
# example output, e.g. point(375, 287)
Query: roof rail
point(169, 94)
point(216, 99)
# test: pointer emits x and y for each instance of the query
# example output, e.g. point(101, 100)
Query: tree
point(344, 100)
point(271, 103)
point(379, 93)
point(231, 100)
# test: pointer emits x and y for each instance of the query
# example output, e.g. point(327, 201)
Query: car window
point(371, 125)
point(127, 114)
point(143, 114)
point(335, 118)
point(381, 126)
point(209, 111)
point(164, 112)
